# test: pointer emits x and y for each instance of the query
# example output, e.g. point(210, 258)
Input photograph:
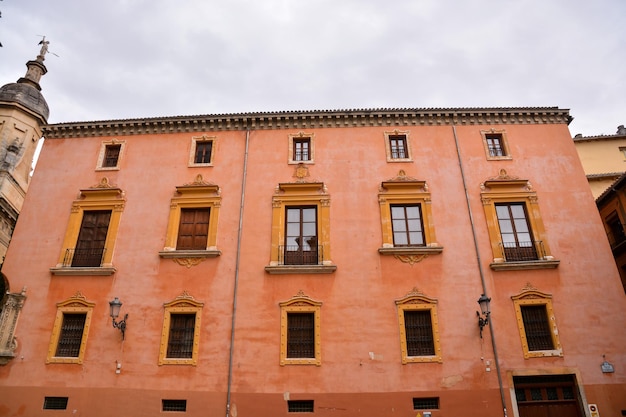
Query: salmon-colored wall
point(361, 371)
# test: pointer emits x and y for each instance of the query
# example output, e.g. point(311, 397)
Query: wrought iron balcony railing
point(75, 257)
point(522, 251)
point(296, 255)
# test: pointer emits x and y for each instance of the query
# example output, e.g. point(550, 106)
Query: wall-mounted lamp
point(483, 316)
point(116, 304)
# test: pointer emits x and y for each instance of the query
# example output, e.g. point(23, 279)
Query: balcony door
point(301, 236)
point(91, 238)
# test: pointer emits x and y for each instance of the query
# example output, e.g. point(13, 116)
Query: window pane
point(308, 214)
point(399, 226)
point(518, 211)
point(416, 238)
point(412, 212)
point(506, 226)
point(293, 214)
point(503, 212)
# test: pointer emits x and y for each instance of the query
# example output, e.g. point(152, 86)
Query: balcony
point(523, 255)
point(83, 261)
point(298, 260)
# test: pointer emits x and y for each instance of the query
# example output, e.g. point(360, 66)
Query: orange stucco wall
point(361, 372)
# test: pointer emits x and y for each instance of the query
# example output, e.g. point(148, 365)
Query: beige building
point(603, 158)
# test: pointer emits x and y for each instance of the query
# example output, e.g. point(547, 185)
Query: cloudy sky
point(121, 59)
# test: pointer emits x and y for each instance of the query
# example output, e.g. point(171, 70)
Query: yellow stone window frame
point(300, 194)
point(192, 153)
point(102, 196)
point(531, 296)
point(416, 301)
point(300, 303)
point(102, 153)
point(183, 304)
point(197, 194)
point(302, 135)
point(74, 305)
point(510, 189)
point(406, 190)
point(504, 144)
point(397, 132)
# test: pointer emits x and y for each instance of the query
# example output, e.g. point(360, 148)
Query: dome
point(26, 95)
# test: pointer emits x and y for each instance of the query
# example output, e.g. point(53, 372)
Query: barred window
point(419, 333)
point(537, 327)
point(55, 403)
point(301, 335)
point(430, 403)
point(181, 335)
point(300, 406)
point(174, 405)
point(71, 335)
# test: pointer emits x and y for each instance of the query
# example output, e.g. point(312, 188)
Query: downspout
point(239, 232)
point(480, 265)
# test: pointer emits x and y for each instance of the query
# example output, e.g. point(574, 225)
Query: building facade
point(324, 262)
point(603, 158)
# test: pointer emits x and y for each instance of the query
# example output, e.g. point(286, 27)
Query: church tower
point(23, 112)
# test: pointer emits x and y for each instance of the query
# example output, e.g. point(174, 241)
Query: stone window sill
point(524, 265)
point(173, 254)
point(300, 269)
point(67, 270)
point(411, 250)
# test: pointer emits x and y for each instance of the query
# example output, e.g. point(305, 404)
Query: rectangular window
point(300, 335)
point(174, 405)
point(495, 144)
point(203, 152)
point(111, 155)
point(193, 229)
point(406, 220)
point(181, 335)
point(55, 403)
point(301, 246)
point(419, 333)
point(517, 240)
point(398, 147)
point(430, 403)
point(92, 236)
point(537, 327)
point(300, 406)
point(616, 229)
point(302, 149)
point(71, 336)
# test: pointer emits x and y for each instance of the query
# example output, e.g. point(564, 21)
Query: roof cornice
point(309, 120)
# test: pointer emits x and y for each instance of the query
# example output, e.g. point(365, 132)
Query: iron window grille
point(537, 327)
point(300, 406)
point(429, 403)
point(301, 335)
point(181, 335)
point(71, 335)
point(419, 333)
point(55, 403)
point(174, 405)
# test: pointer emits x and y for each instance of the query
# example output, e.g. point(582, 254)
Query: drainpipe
point(480, 265)
point(234, 315)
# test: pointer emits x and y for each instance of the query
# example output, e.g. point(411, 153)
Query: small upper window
point(301, 148)
point(397, 146)
point(202, 151)
point(496, 145)
point(110, 155)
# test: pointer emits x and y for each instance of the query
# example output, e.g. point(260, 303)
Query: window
point(516, 231)
point(496, 145)
point(300, 406)
point(517, 241)
point(55, 403)
point(110, 154)
point(301, 236)
point(406, 223)
point(536, 323)
point(91, 232)
point(202, 151)
point(90, 245)
point(616, 229)
point(181, 331)
point(70, 330)
point(429, 403)
point(397, 146)
point(408, 229)
point(300, 228)
point(622, 149)
point(192, 225)
point(193, 229)
point(300, 331)
point(174, 405)
point(419, 329)
point(301, 148)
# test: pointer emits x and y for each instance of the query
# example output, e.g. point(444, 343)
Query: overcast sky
point(120, 59)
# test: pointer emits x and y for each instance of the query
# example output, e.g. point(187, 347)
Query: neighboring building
point(612, 207)
point(326, 262)
point(603, 158)
point(23, 112)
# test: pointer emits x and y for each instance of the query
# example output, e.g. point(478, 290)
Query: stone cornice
point(309, 120)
